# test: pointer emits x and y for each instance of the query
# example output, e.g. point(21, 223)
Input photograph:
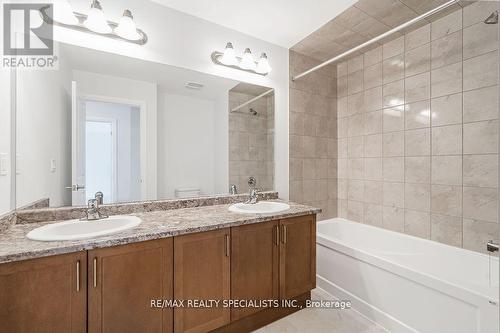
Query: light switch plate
point(4, 164)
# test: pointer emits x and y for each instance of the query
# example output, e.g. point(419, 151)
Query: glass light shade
point(96, 20)
point(63, 13)
point(229, 56)
point(247, 61)
point(263, 66)
point(126, 27)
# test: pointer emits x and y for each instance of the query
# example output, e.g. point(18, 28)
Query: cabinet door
point(44, 295)
point(202, 272)
point(254, 264)
point(123, 280)
point(297, 256)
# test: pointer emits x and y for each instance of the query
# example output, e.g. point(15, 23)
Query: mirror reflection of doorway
point(111, 153)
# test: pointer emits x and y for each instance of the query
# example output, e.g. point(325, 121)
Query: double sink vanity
point(118, 273)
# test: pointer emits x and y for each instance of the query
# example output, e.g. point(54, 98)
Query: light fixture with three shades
point(246, 62)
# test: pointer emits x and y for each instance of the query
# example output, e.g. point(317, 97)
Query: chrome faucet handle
point(492, 246)
point(233, 189)
point(99, 196)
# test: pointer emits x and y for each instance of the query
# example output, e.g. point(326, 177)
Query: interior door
point(77, 148)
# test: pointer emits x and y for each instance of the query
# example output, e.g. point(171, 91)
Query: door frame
point(142, 106)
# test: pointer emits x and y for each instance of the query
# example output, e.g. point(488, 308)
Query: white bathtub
point(407, 284)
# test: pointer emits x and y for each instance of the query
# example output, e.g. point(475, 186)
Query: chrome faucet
point(253, 193)
point(492, 246)
point(92, 211)
point(233, 190)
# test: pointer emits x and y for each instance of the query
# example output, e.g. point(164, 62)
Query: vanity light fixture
point(246, 62)
point(95, 22)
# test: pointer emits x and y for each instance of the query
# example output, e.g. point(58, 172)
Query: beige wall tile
point(418, 197)
point(481, 137)
point(373, 214)
point(446, 229)
point(481, 203)
point(373, 56)
point(393, 169)
point(373, 76)
point(342, 185)
point(373, 122)
point(342, 208)
point(355, 64)
point(481, 170)
point(296, 191)
point(373, 145)
point(393, 194)
point(393, 94)
point(373, 99)
point(355, 211)
point(446, 50)
point(355, 146)
point(355, 190)
point(479, 39)
point(342, 86)
point(342, 107)
point(341, 69)
point(446, 200)
point(418, 170)
point(478, 71)
point(393, 119)
point(418, 142)
point(373, 168)
point(342, 148)
point(355, 168)
point(447, 110)
point(356, 125)
point(481, 104)
point(393, 218)
point(477, 11)
point(418, 37)
point(446, 170)
point(342, 127)
point(354, 82)
point(342, 171)
point(446, 80)
point(373, 192)
point(417, 115)
point(417, 223)
point(447, 140)
point(418, 60)
point(355, 103)
point(393, 69)
point(417, 88)
point(393, 48)
point(446, 25)
point(393, 144)
point(478, 233)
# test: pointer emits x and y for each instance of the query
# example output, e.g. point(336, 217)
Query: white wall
point(5, 141)
point(187, 142)
point(129, 91)
point(185, 41)
point(43, 132)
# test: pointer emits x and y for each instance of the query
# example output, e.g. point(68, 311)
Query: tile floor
point(323, 320)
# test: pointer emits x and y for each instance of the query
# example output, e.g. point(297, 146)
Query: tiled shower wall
point(418, 132)
point(313, 145)
point(251, 142)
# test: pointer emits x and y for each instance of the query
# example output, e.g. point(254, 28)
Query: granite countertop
point(15, 246)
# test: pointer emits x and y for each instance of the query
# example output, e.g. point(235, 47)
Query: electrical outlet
point(52, 165)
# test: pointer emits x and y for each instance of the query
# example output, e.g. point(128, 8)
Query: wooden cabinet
point(297, 256)
point(202, 272)
point(122, 281)
point(254, 264)
point(44, 295)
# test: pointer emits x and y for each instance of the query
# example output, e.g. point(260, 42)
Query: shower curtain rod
point(373, 40)
point(252, 100)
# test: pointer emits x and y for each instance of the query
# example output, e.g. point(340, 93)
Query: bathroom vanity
point(118, 283)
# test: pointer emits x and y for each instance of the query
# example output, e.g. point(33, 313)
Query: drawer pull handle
point(78, 276)
point(95, 272)
point(284, 234)
point(226, 240)
point(277, 236)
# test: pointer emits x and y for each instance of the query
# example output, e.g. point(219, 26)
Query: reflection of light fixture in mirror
point(229, 56)
point(126, 28)
point(245, 63)
point(64, 13)
point(94, 23)
point(263, 66)
point(96, 20)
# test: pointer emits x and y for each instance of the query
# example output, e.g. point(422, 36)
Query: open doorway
point(110, 157)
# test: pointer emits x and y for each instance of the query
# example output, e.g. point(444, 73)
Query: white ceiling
point(281, 22)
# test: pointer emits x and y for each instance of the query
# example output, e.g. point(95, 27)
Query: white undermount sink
point(76, 229)
point(261, 207)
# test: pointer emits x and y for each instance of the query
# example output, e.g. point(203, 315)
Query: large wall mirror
point(137, 130)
